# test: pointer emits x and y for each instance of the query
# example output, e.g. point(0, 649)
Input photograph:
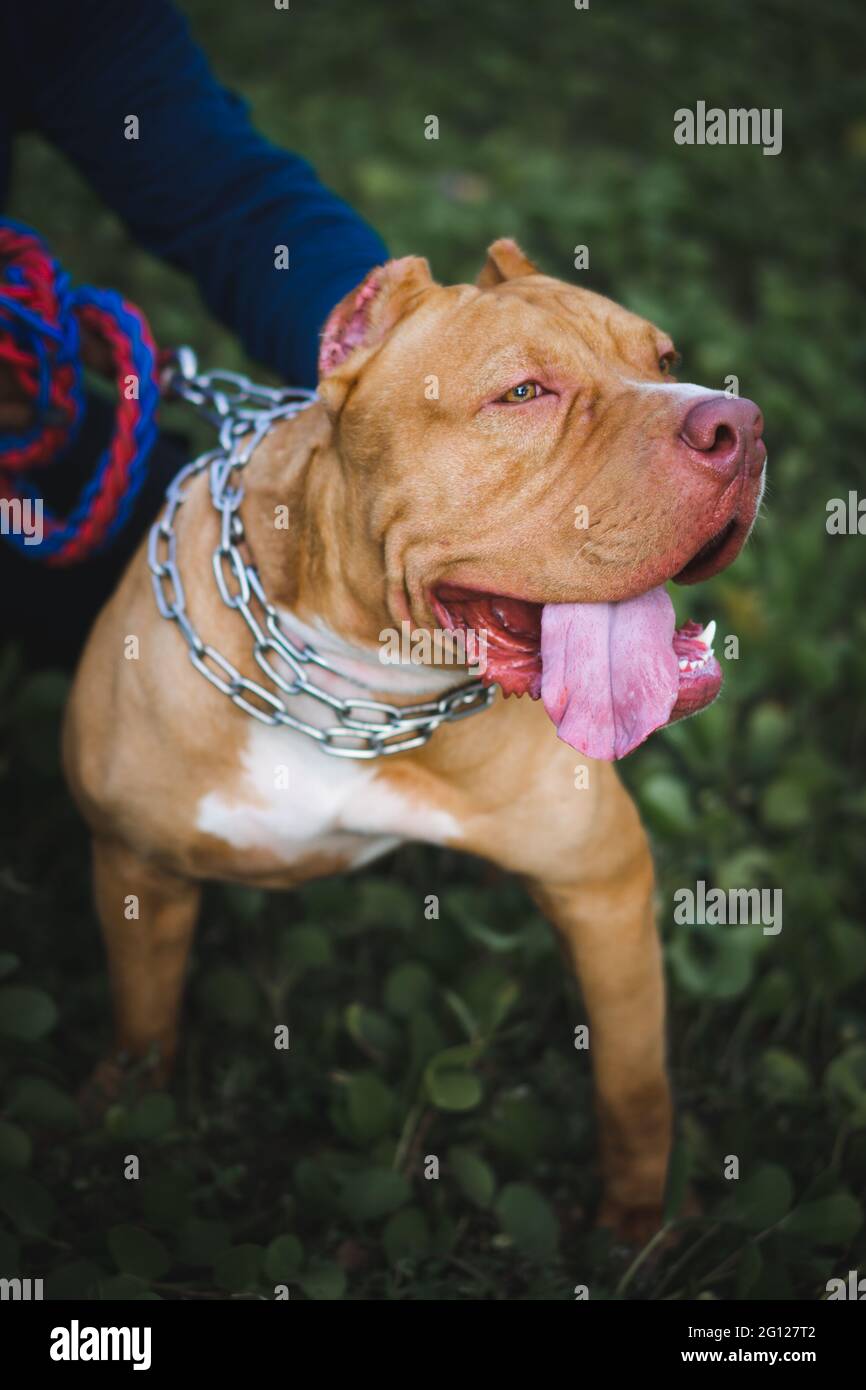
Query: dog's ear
point(362, 321)
point(505, 261)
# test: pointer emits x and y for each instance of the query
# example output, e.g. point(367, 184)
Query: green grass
point(307, 1167)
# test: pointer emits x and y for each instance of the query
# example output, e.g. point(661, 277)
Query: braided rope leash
point(41, 317)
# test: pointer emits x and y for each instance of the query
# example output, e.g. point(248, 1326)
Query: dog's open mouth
point(714, 555)
point(609, 674)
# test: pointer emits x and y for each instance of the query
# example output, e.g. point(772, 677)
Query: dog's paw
point(633, 1226)
point(636, 1225)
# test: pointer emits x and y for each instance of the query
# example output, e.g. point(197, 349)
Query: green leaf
point(521, 1127)
point(498, 942)
point(201, 1241)
point(374, 1193)
point(231, 996)
point(407, 988)
point(748, 868)
point(245, 903)
point(763, 1198)
point(237, 1270)
point(29, 1206)
point(166, 1199)
point(489, 995)
point(426, 1039)
point(449, 1083)
point(665, 802)
point(782, 1077)
point(153, 1115)
point(316, 1186)
point(773, 994)
point(714, 962)
point(120, 1288)
point(461, 1011)
point(528, 1220)
point(383, 902)
point(768, 729)
point(406, 1235)
point(371, 1106)
point(473, 1175)
point(41, 1103)
point(15, 1146)
point(847, 943)
point(26, 1014)
point(283, 1259)
point(831, 1220)
point(324, 1281)
point(371, 1030)
point(786, 804)
point(305, 947)
point(845, 1081)
point(77, 1280)
point(137, 1252)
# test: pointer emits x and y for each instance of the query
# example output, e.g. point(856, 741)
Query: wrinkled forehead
point(534, 321)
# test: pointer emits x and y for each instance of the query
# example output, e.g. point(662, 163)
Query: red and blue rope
point(41, 316)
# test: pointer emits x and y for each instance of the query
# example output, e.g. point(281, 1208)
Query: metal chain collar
point(244, 413)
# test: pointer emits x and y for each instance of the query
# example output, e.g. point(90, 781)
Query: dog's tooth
point(692, 665)
point(683, 663)
point(708, 634)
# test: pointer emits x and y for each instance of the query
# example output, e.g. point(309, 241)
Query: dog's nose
point(726, 432)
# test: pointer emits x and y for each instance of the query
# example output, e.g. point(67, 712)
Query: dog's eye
point(526, 391)
point(670, 363)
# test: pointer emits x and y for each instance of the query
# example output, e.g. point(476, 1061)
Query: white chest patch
point(293, 800)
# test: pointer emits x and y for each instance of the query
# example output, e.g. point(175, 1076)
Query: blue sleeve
point(199, 187)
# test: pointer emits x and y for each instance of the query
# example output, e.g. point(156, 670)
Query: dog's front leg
point(148, 918)
point(610, 938)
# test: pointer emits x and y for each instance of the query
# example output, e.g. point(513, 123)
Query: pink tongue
point(609, 671)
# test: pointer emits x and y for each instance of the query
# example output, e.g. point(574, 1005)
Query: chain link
point(244, 412)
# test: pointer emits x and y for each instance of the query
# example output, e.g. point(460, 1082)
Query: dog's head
point(523, 454)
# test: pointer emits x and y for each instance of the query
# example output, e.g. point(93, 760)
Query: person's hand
point(16, 411)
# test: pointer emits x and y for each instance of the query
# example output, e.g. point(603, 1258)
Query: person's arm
point(199, 186)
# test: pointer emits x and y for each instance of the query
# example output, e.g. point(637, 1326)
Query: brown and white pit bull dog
point(447, 512)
